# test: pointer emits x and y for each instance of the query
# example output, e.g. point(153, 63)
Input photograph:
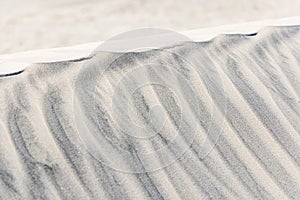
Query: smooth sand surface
point(35, 24)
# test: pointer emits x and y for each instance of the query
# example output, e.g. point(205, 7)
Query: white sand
point(10, 63)
point(62, 137)
point(36, 24)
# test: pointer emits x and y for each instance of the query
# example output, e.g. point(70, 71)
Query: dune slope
point(217, 119)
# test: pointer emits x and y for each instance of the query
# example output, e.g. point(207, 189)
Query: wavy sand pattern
point(257, 150)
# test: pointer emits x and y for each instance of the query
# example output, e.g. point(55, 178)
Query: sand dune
point(198, 120)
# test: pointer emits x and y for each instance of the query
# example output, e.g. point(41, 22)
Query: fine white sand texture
point(35, 24)
point(196, 120)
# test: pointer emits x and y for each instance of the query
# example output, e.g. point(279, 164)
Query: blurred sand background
point(35, 24)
